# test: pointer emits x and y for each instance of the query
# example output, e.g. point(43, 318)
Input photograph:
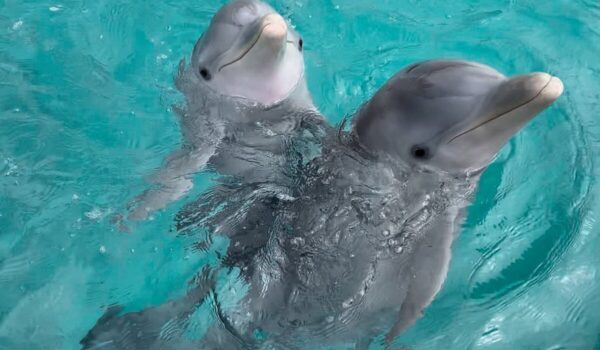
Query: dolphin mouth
point(279, 27)
point(547, 89)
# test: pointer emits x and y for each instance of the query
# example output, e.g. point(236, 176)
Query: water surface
point(86, 90)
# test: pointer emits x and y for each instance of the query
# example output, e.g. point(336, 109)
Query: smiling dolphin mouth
point(266, 21)
point(250, 47)
point(549, 91)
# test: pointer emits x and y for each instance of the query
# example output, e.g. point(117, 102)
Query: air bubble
point(94, 214)
point(346, 304)
point(18, 24)
point(298, 241)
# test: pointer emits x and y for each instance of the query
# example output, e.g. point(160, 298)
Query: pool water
point(86, 90)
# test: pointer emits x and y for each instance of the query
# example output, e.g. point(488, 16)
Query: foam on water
point(85, 114)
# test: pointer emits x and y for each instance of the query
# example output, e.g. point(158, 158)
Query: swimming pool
point(86, 99)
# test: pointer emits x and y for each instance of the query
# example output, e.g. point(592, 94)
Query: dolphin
point(245, 93)
point(364, 243)
point(361, 243)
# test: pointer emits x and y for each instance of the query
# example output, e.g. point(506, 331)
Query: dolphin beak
point(274, 27)
point(268, 35)
point(509, 107)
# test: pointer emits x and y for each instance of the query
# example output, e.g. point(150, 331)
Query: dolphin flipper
point(171, 182)
point(158, 327)
point(432, 255)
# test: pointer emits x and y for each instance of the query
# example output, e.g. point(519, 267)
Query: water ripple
point(85, 97)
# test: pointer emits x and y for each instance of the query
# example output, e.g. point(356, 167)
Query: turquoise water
point(85, 96)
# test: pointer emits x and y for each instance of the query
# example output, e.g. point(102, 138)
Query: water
point(85, 96)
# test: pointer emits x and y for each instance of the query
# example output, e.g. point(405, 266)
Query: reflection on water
point(85, 114)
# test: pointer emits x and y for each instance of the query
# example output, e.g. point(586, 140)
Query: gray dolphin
point(364, 245)
point(362, 242)
point(245, 89)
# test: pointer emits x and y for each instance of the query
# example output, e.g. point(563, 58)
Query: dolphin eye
point(420, 152)
point(205, 74)
point(300, 44)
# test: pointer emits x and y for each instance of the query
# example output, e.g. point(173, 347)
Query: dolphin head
point(452, 116)
point(249, 52)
